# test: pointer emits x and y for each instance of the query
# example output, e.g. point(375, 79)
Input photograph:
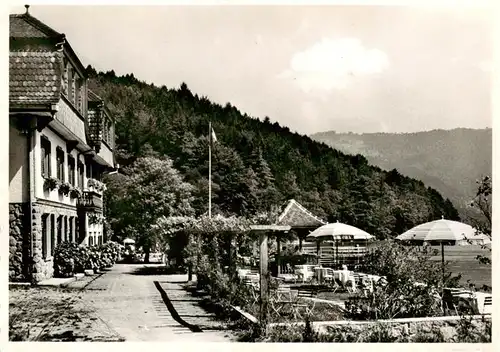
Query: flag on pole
point(214, 137)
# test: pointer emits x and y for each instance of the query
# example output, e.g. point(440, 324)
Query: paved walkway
point(129, 299)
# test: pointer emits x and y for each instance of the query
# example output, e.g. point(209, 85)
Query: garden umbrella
point(440, 231)
point(128, 241)
point(338, 231)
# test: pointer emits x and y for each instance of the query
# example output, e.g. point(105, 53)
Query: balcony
point(90, 201)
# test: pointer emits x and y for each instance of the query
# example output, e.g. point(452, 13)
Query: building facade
point(61, 140)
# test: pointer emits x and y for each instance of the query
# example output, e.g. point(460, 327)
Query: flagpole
point(210, 169)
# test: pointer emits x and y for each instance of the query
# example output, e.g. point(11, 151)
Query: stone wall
point(19, 241)
point(43, 268)
point(409, 329)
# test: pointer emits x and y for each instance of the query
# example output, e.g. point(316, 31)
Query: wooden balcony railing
point(90, 200)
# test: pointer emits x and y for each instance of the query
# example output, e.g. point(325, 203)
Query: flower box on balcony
point(64, 188)
point(96, 185)
point(51, 183)
point(75, 193)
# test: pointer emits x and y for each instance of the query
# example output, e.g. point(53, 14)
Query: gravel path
point(128, 300)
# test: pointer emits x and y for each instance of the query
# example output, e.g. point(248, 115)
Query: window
point(91, 239)
point(88, 170)
point(65, 78)
point(59, 229)
point(77, 230)
point(52, 234)
point(45, 156)
point(71, 233)
point(73, 87)
point(96, 172)
point(105, 130)
point(80, 174)
point(65, 228)
point(108, 132)
point(45, 233)
point(60, 163)
point(78, 94)
point(71, 170)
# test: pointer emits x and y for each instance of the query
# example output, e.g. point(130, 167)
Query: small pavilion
point(294, 217)
point(300, 220)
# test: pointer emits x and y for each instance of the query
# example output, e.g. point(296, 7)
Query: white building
point(61, 140)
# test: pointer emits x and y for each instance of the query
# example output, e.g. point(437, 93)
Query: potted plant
point(75, 192)
point(94, 218)
point(50, 183)
point(91, 183)
point(64, 188)
point(96, 185)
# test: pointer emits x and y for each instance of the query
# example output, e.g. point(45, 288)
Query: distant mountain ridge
point(448, 160)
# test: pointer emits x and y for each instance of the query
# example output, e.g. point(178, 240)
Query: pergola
point(294, 217)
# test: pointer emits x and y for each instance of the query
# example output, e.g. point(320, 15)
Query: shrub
point(81, 259)
point(70, 258)
point(399, 297)
point(64, 259)
point(468, 331)
point(93, 259)
point(111, 252)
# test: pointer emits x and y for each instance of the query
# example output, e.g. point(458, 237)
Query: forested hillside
point(256, 163)
point(449, 161)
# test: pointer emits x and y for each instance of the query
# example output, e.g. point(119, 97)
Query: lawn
point(52, 314)
point(463, 261)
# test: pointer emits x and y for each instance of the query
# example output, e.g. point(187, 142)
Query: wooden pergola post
point(318, 245)
point(278, 254)
point(264, 284)
point(264, 272)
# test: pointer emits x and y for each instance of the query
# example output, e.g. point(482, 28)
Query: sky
point(355, 69)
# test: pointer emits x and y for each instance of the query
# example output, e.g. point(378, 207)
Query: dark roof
point(93, 97)
point(34, 77)
point(295, 215)
point(27, 26)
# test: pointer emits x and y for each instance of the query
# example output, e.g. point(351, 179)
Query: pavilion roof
point(296, 216)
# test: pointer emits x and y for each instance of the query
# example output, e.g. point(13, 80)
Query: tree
point(482, 203)
point(260, 163)
point(152, 189)
point(267, 193)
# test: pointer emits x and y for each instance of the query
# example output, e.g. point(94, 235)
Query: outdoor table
point(307, 271)
point(342, 275)
point(319, 273)
point(373, 278)
point(243, 272)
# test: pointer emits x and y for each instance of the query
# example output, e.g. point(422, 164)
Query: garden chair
point(328, 275)
point(487, 305)
point(283, 298)
point(350, 285)
point(458, 301)
point(333, 285)
point(309, 295)
point(255, 292)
